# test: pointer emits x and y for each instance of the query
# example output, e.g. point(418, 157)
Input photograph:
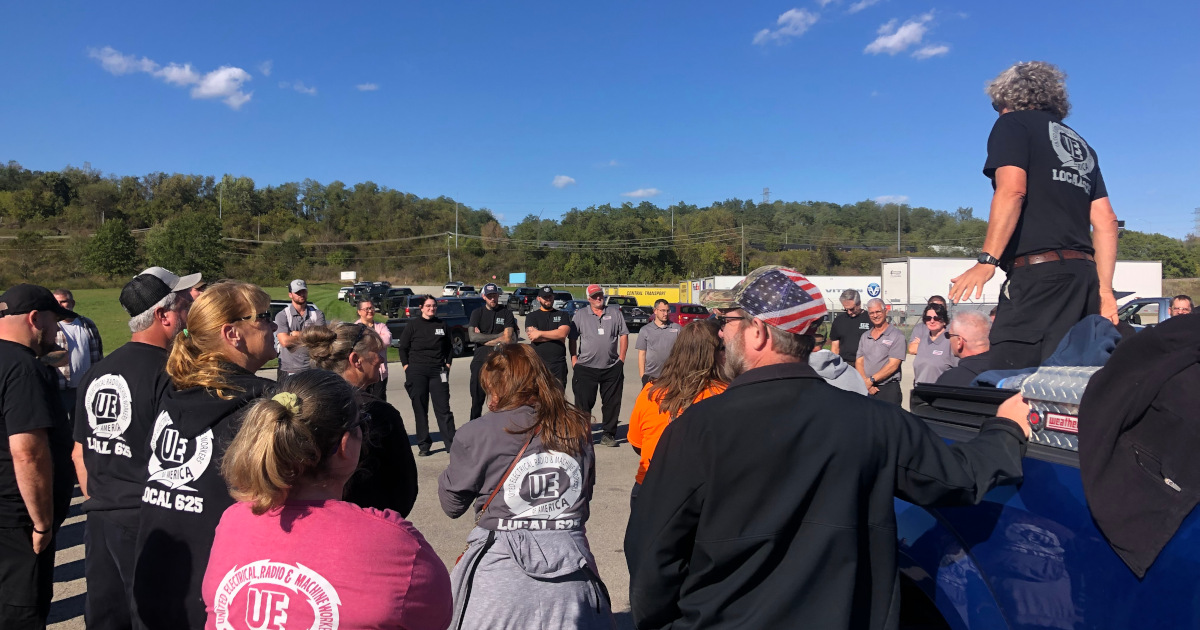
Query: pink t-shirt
point(323, 564)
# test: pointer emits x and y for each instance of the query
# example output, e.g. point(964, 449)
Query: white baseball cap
point(173, 281)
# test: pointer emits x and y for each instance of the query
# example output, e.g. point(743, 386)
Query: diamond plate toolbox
point(1054, 394)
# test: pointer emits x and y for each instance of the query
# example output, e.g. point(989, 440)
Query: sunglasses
point(257, 317)
point(951, 335)
point(362, 330)
point(932, 319)
point(725, 319)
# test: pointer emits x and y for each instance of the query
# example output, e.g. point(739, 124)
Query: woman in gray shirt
point(528, 469)
point(931, 345)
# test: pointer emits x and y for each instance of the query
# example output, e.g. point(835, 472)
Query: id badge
point(443, 376)
point(600, 331)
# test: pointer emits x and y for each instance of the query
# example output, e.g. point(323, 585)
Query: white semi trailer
point(831, 287)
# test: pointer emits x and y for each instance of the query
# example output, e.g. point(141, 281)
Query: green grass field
point(102, 307)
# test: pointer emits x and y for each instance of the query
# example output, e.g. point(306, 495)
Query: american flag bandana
point(784, 299)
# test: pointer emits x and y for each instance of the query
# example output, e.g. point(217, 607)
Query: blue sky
point(494, 103)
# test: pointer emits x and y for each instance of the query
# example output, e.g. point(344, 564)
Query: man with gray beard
point(773, 502)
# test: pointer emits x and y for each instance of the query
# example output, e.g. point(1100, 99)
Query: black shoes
point(423, 453)
point(608, 440)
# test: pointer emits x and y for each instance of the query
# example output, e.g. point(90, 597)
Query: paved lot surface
point(615, 468)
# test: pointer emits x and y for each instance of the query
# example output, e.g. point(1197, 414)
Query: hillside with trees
point(81, 227)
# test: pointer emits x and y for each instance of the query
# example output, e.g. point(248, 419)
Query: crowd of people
point(763, 493)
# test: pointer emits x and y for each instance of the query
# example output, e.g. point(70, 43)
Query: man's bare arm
point(887, 370)
point(1104, 242)
point(35, 480)
point(80, 470)
point(1007, 203)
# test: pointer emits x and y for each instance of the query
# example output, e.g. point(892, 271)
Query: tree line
point(82, 227)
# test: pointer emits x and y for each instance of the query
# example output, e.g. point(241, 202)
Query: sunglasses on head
point(258, 317)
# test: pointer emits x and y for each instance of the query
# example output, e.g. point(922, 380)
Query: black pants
point(68, 397)
point(633, 494)
point(478, 396)
point(890, 392)
point(610, 382)
point(26, 580)
point(559, 370)
point(109, 539)
point(378, 390)
point(646, 378)
point(1038, 305)
point(424, 384)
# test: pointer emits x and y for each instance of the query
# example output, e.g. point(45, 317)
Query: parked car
point(394, 300)
point(1145, 312)
point(1030, 556)
point(683, 313)
point(377, 295)
point(455, 312)
point(522, 300)
point(451, 289)
point(635, 317)
point(574, 305)
point(561, 298)
point(466, 288)
point(404, 306)
point(277, 306)
point(344, 293)
point(362, 291)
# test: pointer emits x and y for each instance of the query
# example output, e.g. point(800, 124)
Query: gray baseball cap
point(297, 286)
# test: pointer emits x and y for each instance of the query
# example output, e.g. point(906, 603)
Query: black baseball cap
point(142, 293)
point(546, 292)
point(26, 298)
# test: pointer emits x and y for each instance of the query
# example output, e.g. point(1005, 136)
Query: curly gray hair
point(1031, 85)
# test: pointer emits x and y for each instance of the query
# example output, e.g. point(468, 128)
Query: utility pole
point(449, 268)
point(221, 200)
point(743, 249)
point(259, 237)
point(766, 196)
point(897, 229)
point(455, 225)
point(539, 231)
point(1197, 215)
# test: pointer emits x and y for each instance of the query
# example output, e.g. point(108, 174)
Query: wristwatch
point(873, 381)
point(987, 259)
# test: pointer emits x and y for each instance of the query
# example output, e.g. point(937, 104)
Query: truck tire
point(458, 344)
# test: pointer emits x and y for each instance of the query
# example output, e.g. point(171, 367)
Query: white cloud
point(367, 87)
point(897, 39)
point(825, 3)
point(613, 163)
point(562, 181)
point(265, 67)
point(224, 83)
point(119, 64)
point(886, 199)
point(931, 51)
point(299, 87)
point(793, 23)
point(862, 4)
point(642, 193)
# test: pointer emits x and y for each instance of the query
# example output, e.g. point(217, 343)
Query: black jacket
point(771, 505)
point(387, 473)
point(1138, 441)
point(184, 498)
point(421, 344)
point(963, 374)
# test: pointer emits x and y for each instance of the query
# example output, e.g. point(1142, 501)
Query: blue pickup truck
point(1030, 556)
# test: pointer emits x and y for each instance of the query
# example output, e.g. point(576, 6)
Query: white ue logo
point(545, 497)
point(276, 596)
point(1072, 151)
point(167, 444)
point(109, 406)
point(265, 610)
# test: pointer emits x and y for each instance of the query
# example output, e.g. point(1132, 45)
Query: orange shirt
point(647, 424)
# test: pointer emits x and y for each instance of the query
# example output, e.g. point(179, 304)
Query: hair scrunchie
point(290, 401)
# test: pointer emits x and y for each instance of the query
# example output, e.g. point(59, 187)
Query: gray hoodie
point(837, 372)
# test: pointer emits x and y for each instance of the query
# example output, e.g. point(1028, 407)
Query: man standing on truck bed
point(489, 327)
point(1048, 188)
point(771, 505)
point(599, 341)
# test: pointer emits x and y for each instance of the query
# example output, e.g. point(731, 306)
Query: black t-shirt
point(491, 322)
point(29, 401)
point(550, 351)
point(425, 342)
point(847, 331)
point(114, 412)
point(386, 478)
point(1062, 180)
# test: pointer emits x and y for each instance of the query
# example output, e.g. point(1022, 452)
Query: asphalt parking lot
point(615, 468)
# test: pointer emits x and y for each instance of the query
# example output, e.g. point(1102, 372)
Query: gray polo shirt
point(933, 357)
point(288, 320)
point(657, 342)
point(598, 335)
point(876, 352)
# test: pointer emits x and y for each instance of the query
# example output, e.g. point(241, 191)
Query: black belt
point(1050, 256)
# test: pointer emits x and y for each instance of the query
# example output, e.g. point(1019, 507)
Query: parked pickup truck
point(1144, 312)
point(522, 300)
point(635, 317)
point(456, 313)
point(1030, 556)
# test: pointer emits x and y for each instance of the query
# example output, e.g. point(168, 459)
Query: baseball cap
point(142, 293)
point(25, 298)
point(779, 296)
point(171, 280)
point(297, 286)
point(490, 288)
point(593, 289)
point(546, 292)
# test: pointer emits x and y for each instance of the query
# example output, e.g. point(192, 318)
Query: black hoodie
point(184, 498)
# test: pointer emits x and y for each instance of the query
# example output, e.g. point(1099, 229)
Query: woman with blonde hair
point(387, 473)
point(229, 336)
point(290, 538)
point(691, 374)
point(528, 468)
